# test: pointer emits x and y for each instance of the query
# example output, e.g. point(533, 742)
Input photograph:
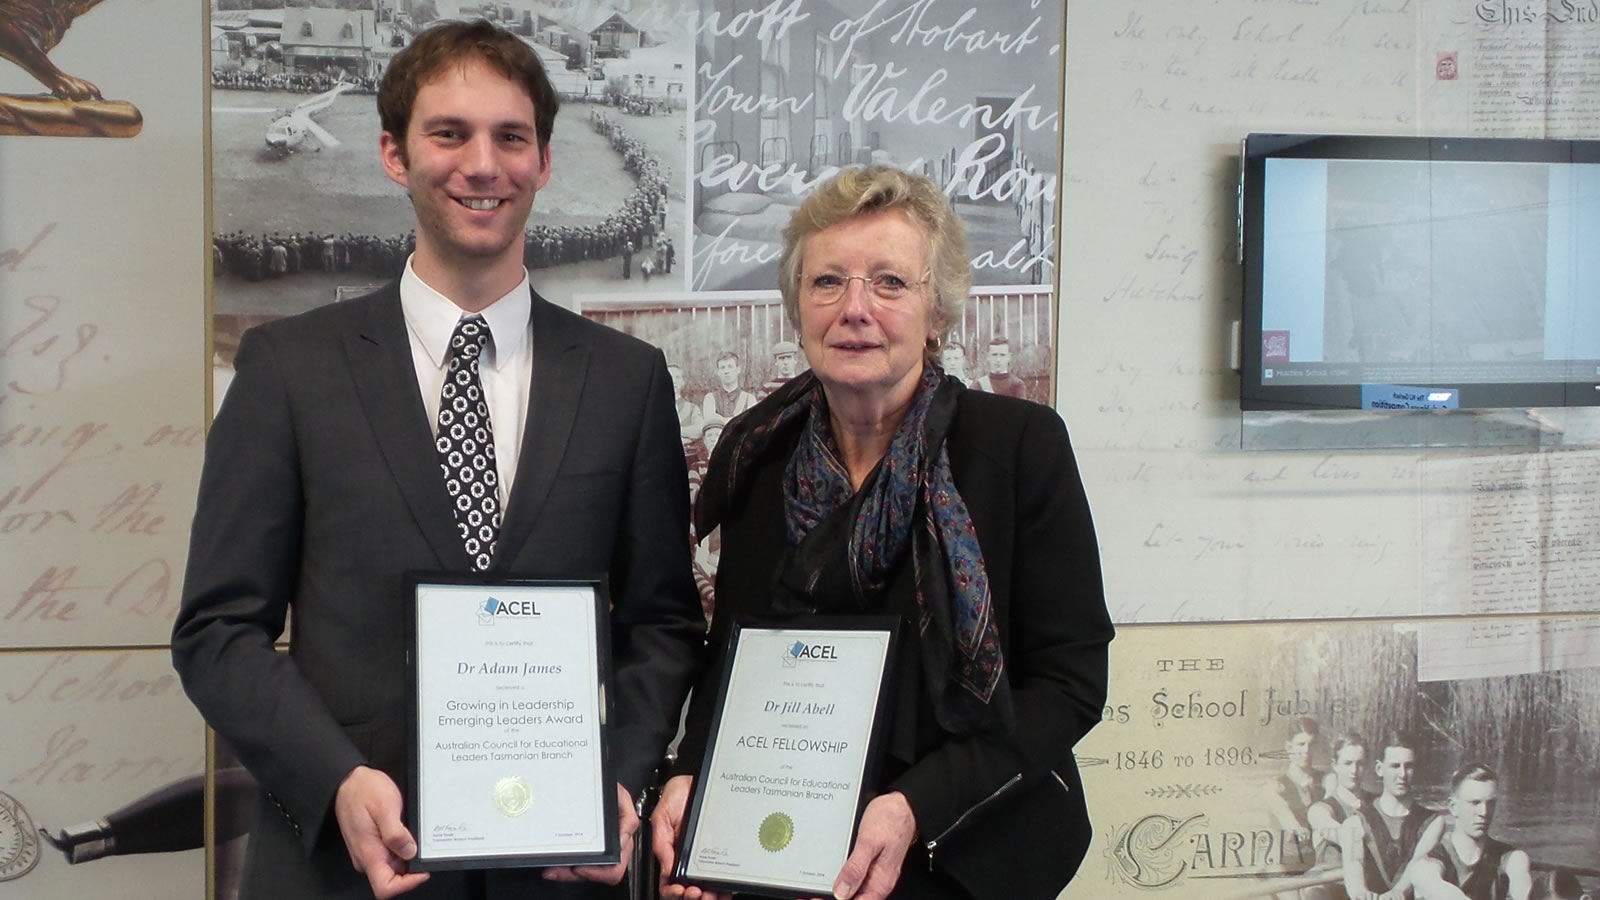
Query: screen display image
point(1392, 273)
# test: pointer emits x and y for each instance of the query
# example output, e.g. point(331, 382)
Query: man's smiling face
point(472, 163)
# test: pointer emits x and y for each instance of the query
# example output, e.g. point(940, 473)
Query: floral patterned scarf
point(845, 545)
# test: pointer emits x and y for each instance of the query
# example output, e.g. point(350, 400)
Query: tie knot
point(470, 336)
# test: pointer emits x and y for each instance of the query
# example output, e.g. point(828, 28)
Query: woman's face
point(858, 341)
point(1348, 764)
point(1299, 750)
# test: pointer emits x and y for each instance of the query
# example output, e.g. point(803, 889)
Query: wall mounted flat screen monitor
point(1419, 273)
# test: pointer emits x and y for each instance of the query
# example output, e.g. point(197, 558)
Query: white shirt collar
point(432, 317)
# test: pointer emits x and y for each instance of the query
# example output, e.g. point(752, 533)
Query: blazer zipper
point(933, 843)
point(1061, 781)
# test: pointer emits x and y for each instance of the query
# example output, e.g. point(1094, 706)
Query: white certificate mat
point(509, 709)
point(781, 790)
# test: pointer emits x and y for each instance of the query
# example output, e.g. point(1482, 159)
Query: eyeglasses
point(828, 288)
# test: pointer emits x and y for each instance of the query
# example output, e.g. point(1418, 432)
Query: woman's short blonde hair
point(867, 189)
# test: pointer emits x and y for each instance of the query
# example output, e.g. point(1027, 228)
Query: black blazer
point(321, 487)
point(1006, 816)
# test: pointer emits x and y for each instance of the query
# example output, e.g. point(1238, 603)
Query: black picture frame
point(601, 606)
point(889, 624)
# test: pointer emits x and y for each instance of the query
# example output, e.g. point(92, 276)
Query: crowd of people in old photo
point(633, 234)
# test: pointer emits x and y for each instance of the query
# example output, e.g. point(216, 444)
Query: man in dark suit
point(335, 465)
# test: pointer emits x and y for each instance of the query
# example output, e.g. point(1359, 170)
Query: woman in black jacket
point(874, 483)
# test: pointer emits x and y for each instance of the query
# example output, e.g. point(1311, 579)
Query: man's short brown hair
point(456, 42)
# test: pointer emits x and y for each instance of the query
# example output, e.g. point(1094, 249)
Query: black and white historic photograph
point(301, 205)
point(1308, 762)
point(965, 93)
point(730, 349)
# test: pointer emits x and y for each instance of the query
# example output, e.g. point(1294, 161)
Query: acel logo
point(494, 608)
point(801, 650)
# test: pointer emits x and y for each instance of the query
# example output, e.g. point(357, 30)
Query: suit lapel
point(386, 380)
point(560, 364)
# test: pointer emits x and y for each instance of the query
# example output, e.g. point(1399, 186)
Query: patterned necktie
point(466, 443)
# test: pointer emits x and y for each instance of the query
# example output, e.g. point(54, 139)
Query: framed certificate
point(796, 736)
point(508, 696)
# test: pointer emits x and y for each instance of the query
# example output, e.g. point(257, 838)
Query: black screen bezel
point(1254, 394)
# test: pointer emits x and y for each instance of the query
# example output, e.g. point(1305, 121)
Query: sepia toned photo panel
point(1317, 761)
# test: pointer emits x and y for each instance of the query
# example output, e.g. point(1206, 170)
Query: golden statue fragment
point(29, 30)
